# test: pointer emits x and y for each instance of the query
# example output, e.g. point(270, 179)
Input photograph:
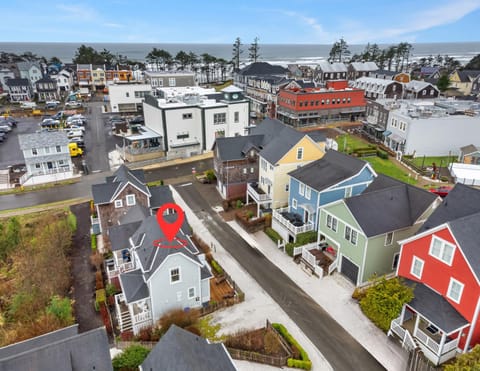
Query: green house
point(358, 235)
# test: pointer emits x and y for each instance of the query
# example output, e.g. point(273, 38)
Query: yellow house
point(284, 150)
point(463, 80)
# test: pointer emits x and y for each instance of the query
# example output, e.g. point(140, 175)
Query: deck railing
point(259, 197)
point(286, 223)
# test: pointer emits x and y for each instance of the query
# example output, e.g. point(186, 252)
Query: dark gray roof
point(105, 192)
point(461, 201)
point(388, 209)
point(135, 213)
point(331, 169)
point(44, 139)
point(317, 135)
point(435, 308)
point(469, 149)
point(465, 231)
point(278, 138)
point(160, 195)
point(234, 148)
point(180, 350)
point(151, 257)
point(385, 73)
point(18, 82)
point(63, 349)
point(133, 286)
point(263, 68)
point(468, 75)
point(119, 235)
point(205, 273)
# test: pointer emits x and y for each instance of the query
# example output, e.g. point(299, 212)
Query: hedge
point(273, 234)
point(382, 154)
point(302, 239)
point(216, 266)
point(100, 296)
point(93, 241)
point(305, 362)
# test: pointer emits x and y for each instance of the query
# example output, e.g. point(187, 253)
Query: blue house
point(333, 177)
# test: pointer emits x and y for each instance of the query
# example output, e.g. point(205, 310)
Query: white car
point(73, 127)
point(73, 104)
point(74, 133)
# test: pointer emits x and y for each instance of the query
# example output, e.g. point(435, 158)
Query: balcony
point(258, 195)
point(292, 221)
point(114, 271)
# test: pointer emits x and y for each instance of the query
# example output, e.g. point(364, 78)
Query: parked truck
point(75, 150)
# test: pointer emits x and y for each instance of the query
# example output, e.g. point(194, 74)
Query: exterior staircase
point(125, 321)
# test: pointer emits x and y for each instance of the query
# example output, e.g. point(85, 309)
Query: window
point(118, 203)
point(424, 92)
point(396, 258)
point(351, 235)
point(332, 223)
point(34, 151)
point(130, 200)
point(172, 81)
point(389, 239)
point(58, 149)
point(187, 116)
point(245, 170)
point(174, 275)
point(286, 187)
point(432, 92)
point(294, 203)
point(301, 189)
point(308, 192)
point(183, 135)
point(348, 100)
point(127, 94)
point(47, 149)
point(455, 289)
point(442, 250)
point(252, 170)
point(417, 267)
point(191, 292)
point(236, 116)
point(299, 153)
point(348, 192)
point(264, 164)
point(219, 118)
point(37, 166)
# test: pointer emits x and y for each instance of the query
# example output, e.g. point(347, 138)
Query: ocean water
point(276, 53)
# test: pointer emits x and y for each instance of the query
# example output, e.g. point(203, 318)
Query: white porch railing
point(427, 341)
point(451, 345)
point(308, 256)
point(142, 317)
point(125, 267)
point(333, 266)
point(286, 223)
point(297, 250)
point(407, 339)
point(258, 197)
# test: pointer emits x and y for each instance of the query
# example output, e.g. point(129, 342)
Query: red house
point(442, 262)
point(300, 104)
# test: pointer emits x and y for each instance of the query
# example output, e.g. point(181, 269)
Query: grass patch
point(273, 234)
point(155, 183)
point(39, 208)
point(428, 161)
point(389, 168)
point(37, 187)
point(349, 143)
point(223, 86)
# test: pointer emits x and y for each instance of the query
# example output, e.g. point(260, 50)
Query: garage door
point(349, 269)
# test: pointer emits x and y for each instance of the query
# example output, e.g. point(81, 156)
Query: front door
point(306, 216)
point(49, 165)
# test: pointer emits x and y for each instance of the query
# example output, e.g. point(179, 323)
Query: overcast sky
point(221, 21)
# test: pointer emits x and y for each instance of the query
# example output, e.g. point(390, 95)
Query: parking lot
point(98, 140)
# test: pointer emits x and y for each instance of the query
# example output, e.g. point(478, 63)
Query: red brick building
point(312, 105)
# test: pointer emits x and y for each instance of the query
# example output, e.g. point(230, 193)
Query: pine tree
point(237, 51)
point(254, 50)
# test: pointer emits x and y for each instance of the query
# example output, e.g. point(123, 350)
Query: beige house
point(462, 81)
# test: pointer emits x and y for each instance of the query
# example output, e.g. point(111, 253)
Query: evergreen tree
point(86, 55)
point(254, 51)
point(474, 63)
point(339, 51)
point(237, 51)
point(443, 83)
point(182, 58)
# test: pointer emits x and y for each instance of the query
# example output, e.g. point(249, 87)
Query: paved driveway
point(10, 153)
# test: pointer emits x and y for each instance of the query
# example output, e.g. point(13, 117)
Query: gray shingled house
point(180, 350)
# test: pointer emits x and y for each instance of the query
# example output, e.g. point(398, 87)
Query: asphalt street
point(340, 349)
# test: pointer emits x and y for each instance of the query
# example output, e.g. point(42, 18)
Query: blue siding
point(301, 200)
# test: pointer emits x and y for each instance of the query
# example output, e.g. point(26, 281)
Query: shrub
point(384, 300)
point(93, 242)
point(305, 362)
point(306, 237)
point(249, 214)
point(466, 361)
point(98, 280)
point(61, 308)
point(216, 267)
point(100, 296)
point(105, 317)
point(130, 359)
point(96, 260)
point(289, 248)
point(111, 289)
point(72, 221)
point(177, 317)
point(274, 236)
point(239, 204)
point(210, 174)
point(382, 154)
point(358, 294)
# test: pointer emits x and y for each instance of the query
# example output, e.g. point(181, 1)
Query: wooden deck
point(324, 261)
point(219, 290)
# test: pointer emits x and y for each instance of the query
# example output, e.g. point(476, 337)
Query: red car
point(441, 191)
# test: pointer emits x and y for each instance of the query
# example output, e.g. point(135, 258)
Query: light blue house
point(333, 177)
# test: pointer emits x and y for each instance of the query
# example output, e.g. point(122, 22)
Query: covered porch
point(258, 195)
point(430, 323)
point(289, 223)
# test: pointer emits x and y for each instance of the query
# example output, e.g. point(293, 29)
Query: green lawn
point(428, 161)
point(350, 142)
point(389, 168)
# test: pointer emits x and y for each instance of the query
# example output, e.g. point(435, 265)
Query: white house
point(64, 80)
point(127, 97)
point(47, 157)
point(169, 79)
point(190, 118)
point(30, 71)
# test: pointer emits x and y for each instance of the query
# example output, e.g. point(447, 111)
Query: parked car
point(74, 133)
point(2, 137)
point(74, 122)
point(78, 118)
point(8, 119)
point(79, 140)
point(28, 105)
point(5, 128)
point(73, 104)
point(75, 127)
point(137, 120)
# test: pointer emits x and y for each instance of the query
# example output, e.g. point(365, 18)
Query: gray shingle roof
point(136, 213)
point(468, 75)
point(180, 350)
point(364, 66)
point(331, 169)
point(234, 148)
point(40, 140)
point(263, 68)
point(417, 85)
point(18, 82)
point(435, 308)
point(151, 257)
point(133, 286)
point(119, 235)
point(105, 192)
point(278, 139)
point(160, 195)
point(326, 66)
point(469, 149)
point(389, 209)
point(205, 273)
point(63, 349)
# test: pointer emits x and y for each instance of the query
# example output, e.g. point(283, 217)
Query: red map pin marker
point(170, 230)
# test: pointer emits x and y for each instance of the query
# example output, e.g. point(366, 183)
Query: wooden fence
point(238, 298)
point(125, 344)
point(418, 362)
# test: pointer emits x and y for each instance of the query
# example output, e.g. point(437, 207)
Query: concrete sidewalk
point(258, 305)
point(333, 293)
